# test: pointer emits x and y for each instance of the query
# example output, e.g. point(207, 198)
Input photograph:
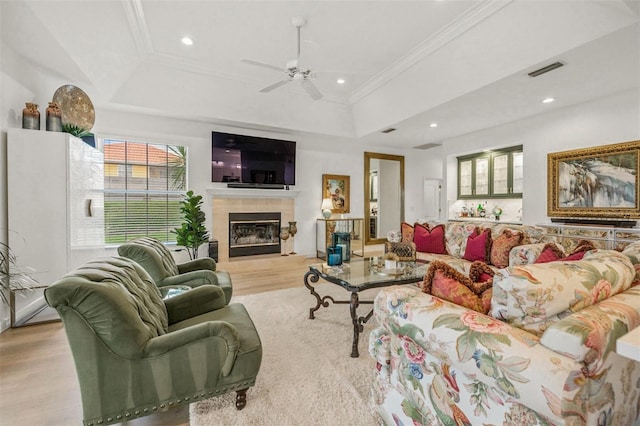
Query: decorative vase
point(284, 236)
point(293, 230)
point(31, 117)
point(54, 117)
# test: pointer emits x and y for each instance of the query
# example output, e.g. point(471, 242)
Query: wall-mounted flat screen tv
point(252, 160)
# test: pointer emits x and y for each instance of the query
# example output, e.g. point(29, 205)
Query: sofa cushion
point(429, 241)
point(407, 232)
point(501, 246)
point(448, 284)
point(478, 247)
point(534, 296)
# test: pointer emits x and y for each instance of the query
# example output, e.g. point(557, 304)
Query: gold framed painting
point(336, 188)
point(598, 182)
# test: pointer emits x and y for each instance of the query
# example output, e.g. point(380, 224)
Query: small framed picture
point(336, 188)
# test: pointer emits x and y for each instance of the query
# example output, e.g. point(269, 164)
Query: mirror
point(383, 195)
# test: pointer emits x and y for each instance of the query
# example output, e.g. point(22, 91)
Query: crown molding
point(458, 27)
point(137, 24)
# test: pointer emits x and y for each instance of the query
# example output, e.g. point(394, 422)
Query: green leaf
point(507, 386)
point(450, 321)
point(487, 365)
point(493, 341)
point(465, 345)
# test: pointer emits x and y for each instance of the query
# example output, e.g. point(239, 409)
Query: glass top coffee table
point(357, 276)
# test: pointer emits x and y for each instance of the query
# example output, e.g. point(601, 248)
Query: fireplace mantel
point(251, 193)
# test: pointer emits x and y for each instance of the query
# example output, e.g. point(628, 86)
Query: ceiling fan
point(292, 70)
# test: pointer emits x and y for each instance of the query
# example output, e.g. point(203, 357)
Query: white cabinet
point(55, 204)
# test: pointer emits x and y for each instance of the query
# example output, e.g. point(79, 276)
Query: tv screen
point(252, 160)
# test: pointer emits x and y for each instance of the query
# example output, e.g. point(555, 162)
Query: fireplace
point(254, 233)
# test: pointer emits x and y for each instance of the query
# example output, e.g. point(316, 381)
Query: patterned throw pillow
point(407, 232)
point(501, 246)
point(444, 282)
point(478, 246)
point(429, 241)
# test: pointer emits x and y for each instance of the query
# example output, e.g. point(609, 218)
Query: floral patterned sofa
point(544, 355)
point(502, 250)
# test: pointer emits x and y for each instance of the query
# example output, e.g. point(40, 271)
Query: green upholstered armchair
point(136, 354)
point(159, 263)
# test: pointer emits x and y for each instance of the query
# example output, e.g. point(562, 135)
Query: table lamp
point(327, 205)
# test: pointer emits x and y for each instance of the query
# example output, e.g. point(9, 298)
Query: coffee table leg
point(313, 277)
point(357, 325)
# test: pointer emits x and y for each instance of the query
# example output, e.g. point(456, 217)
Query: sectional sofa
point(544, 354)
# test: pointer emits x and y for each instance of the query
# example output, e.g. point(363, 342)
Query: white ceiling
point(460, 63)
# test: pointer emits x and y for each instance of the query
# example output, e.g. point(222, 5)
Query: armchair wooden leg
point(241, 398)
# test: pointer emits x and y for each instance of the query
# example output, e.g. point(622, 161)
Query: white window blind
point(143, 190)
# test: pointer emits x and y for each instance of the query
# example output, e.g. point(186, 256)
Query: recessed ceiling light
point(340, 81)
point(433, 125)
point(187, 41)
point(547, 100)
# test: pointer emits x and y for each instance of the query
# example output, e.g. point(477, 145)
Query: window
point(144, 184)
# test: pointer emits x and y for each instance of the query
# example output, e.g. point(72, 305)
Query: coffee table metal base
point(354, 302)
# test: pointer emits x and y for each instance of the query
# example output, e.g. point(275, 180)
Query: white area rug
point(307, 376)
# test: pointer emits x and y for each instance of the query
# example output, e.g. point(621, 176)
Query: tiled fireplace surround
point(226, 201)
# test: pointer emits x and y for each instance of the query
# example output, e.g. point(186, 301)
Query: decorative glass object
point(31, 117)
point(293, 230)
point(334, 255)
point(54, 117)
point(284, 236)
point(342, 239)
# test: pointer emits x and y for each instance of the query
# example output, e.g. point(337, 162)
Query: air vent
point(389, 130)
point(428, 145)
point(546, 69)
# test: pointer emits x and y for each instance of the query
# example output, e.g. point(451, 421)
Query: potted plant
point(192, 233)
point(12, 277)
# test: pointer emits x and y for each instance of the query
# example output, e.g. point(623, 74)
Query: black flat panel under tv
point(252, 161)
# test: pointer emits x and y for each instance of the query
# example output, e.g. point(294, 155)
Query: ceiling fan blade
point(262, 64)
point(311, 89)
point(274, 86)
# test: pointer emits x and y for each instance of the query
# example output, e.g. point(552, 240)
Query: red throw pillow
point(550, 253)
point(429, 241)
point(574, 256)
point(407, 232)
point(501, 246)
point(478, 246)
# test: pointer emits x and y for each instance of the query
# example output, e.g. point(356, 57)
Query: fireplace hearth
point(254, 233)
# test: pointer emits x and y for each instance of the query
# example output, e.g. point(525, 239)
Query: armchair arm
point(439, 339)
point(192, 279)
point(206, 263)
point(194, 302)
point(222, 335)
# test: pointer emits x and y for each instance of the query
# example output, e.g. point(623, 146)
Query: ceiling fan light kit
point(293, 71)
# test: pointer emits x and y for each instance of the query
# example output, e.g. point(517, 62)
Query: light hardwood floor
point(38, 383)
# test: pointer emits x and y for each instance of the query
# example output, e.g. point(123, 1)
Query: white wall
point(603, 121)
